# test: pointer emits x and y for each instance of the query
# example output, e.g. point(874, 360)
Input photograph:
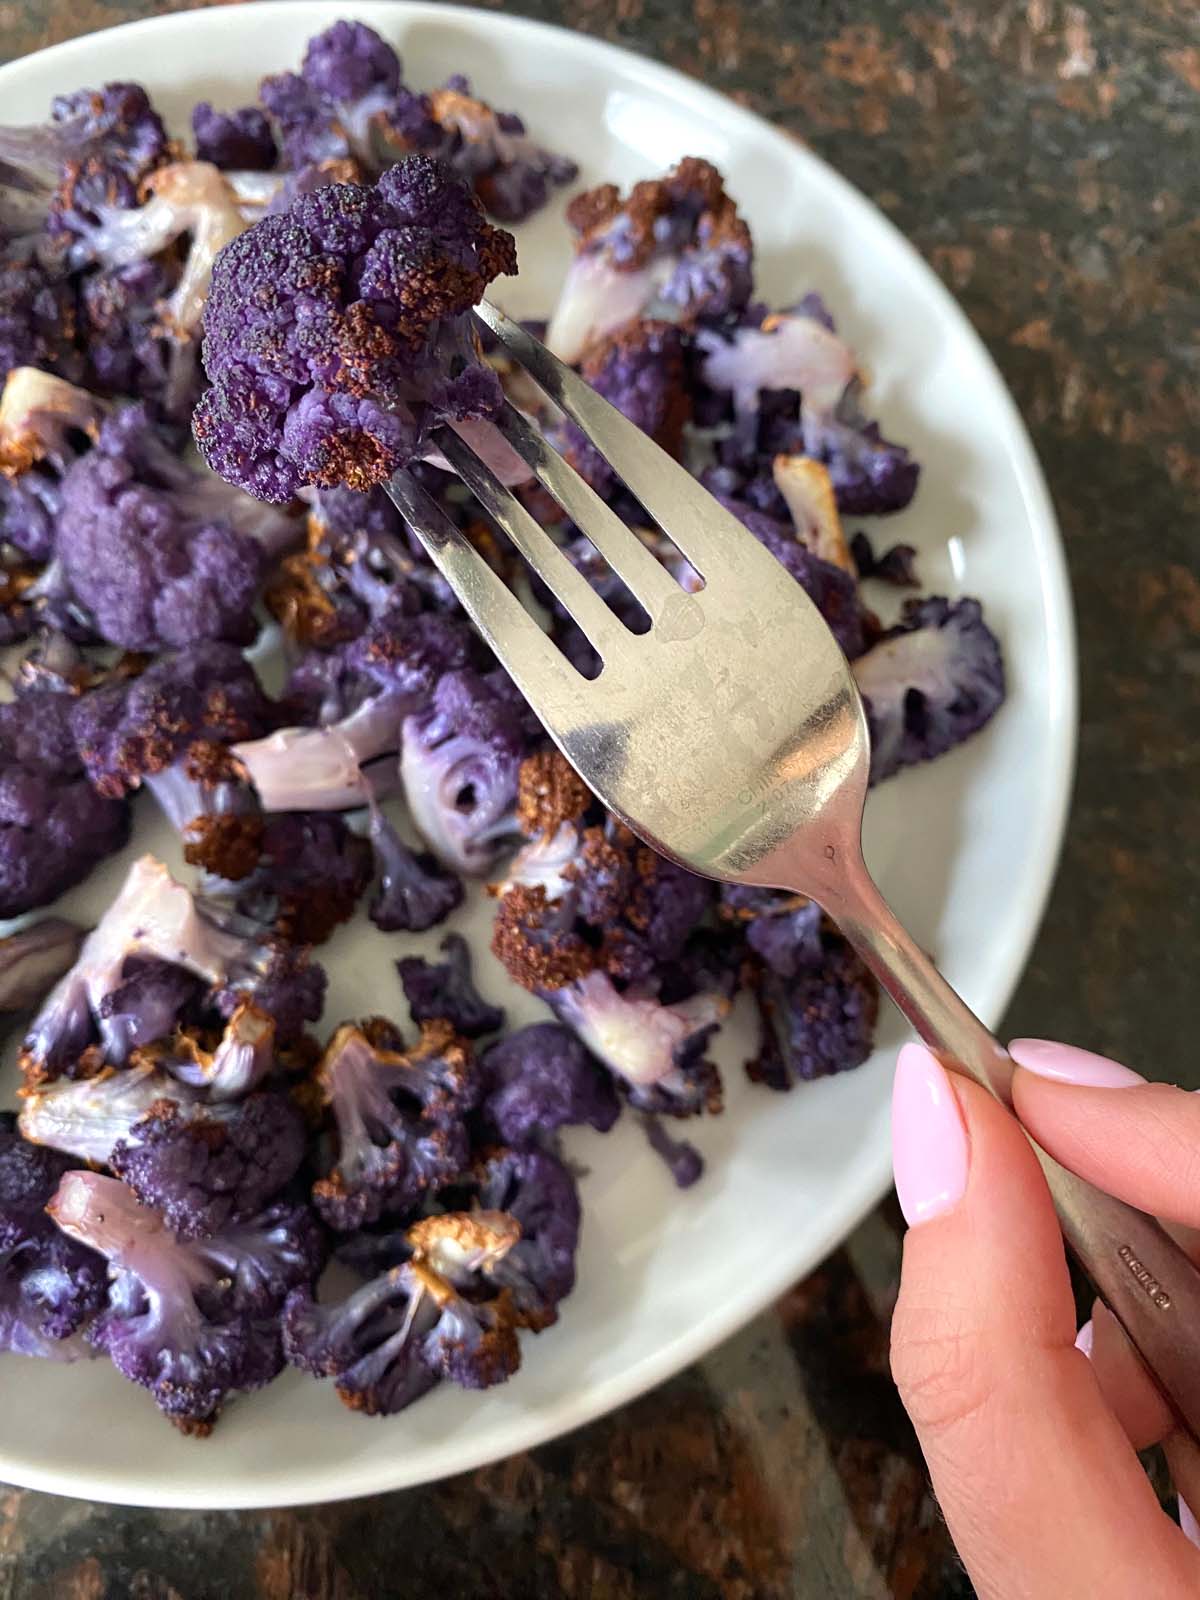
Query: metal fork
point(731, 737)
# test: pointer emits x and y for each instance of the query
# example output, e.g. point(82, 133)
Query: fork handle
point(1143, 1276)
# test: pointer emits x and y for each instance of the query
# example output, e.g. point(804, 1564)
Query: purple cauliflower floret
point(675, 248)
point(790, 352)
point(186, 200)
point(347, 392)
point(158, 554)
point(795, 389)
point(50, 1286)
point(636, 909)
point(117, 123)
point(167, 728)
point(398, 1116)
point(871, 475)
point(110, 203)
point(30, 506)
point(509, 171)
point(540, 1079)
point(680, 1156)
point(896, 565)
point(929, 683)
point(369, 1343)
point(359, 565)
point(446, 989)
point(408, 655)
point(37, 312)
point(120, 328)
point(415, 891)
point(54, 827)
point(347, 101)
point(37, 297)
point(201, 1171)
point(655, 1047)
point(311, 872)
point(155, 918)
point(783, 930)
point(145, 1006)
point(192, 1321)
point(152, 918)
point(91, 156)
point(392, 669)
point(240, 140)
point(655, 1050)
point(474, 1341)
point(182, 200)
point(266, 1255)
point(279, 981)
point(785, 938)
point(640, 370)
point(818, 1021)
point(33, 959)
point(44, 425)
point(459, 763)
point(536, 1190)
point(323, 687)
point(439, 1314)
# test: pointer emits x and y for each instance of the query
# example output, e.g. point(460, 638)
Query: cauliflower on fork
point(348, 393)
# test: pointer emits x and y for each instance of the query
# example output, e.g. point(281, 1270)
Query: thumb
point(1042, 1492)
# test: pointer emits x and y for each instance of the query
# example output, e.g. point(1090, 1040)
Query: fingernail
point(930, 1154)
point(1187, 1522)
point(1065, 1063)
point(1085, 1338)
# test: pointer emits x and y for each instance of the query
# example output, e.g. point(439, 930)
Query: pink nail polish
point(930, 1154)
point(1187, 1522)
point(1066, 1063)
point(1085, 1338)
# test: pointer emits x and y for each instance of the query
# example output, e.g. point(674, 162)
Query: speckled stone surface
point(1042, 157)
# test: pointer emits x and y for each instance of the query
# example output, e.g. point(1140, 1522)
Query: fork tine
point(540, 670)
point(642, 574)
point(605, 632)
point(696, 523)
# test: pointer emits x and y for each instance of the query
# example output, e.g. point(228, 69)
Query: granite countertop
point(1042, 158)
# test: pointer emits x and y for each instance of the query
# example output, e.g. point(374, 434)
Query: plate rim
point(1062, 718)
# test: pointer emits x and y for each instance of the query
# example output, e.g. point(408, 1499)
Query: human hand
point(1030, 1437)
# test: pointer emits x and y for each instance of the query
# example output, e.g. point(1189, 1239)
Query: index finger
point(1137, 1140)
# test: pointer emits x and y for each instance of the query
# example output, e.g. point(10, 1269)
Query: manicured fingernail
point(1085, 1338)
point(1065, 1063)
point(1187, 1522)
point(930, 1154)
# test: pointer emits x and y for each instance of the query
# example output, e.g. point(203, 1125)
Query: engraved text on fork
point(1146, 1278)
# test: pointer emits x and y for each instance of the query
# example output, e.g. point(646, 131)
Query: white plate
point(964, 848)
